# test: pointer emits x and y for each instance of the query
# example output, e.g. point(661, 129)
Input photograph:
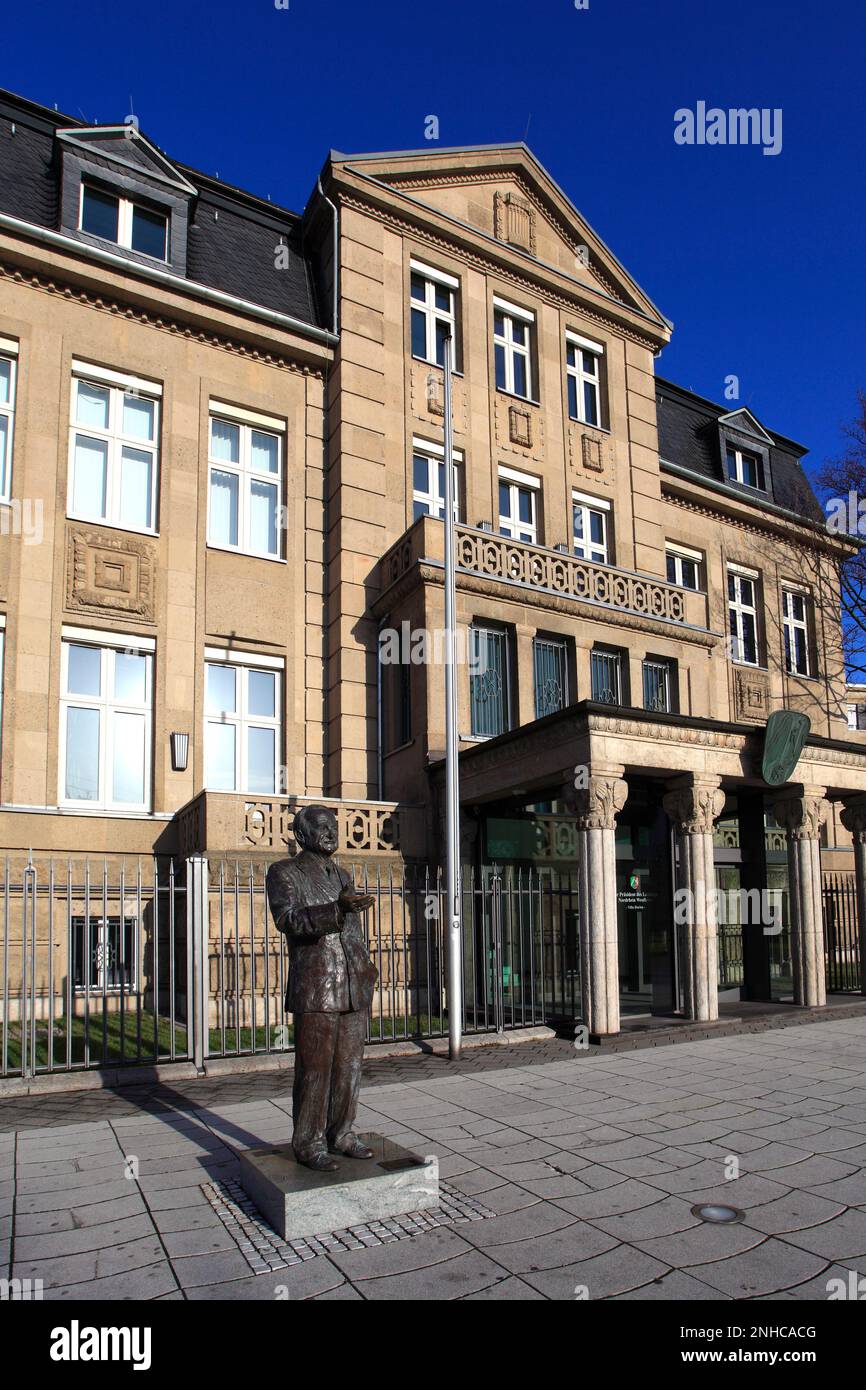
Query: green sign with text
point(785, 734)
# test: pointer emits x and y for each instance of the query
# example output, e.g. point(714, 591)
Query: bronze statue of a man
point(331, 979)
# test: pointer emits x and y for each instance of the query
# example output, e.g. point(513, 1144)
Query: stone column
point(802, 812)
point(853, 817)
point(693, 804)
point(597, 806)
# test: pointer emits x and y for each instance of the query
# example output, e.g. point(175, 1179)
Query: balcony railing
point(543, 569)
point(230, 822)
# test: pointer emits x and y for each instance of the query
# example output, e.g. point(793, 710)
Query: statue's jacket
point(329, 971)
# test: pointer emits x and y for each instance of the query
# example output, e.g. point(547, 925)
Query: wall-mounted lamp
point(179, 751)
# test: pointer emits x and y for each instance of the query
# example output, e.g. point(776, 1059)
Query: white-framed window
point(745, 468)
point(856, 715)
point(512, 348)
point(113, 448)
point(590, 527)
point(518, 506)
point(245, 490)
point(8, 379)
point(242, 722)
point(428, 480)
point(743, 614)
point(106, 721)
point(129, 224)
point(583, 378)
point(433, 296)
point(683, 566)
point(795, 625)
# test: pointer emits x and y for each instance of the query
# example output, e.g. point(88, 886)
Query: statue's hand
point(350, 901)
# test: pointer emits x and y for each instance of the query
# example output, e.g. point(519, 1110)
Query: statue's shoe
point(320, 1163)
point(351, 1148)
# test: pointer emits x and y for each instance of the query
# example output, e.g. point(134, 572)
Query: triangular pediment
point(744, 422)
point(504, 193)
point(125, 148)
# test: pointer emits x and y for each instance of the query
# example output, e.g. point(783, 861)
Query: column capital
point(694, 804)
point(599, 803)
point(853, 817)
point(802, 812)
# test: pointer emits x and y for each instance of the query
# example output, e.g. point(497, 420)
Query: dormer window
point(127, 224)
point(119, 191)
point(745, 468)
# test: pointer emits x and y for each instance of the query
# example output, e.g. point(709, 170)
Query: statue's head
point(315, 829)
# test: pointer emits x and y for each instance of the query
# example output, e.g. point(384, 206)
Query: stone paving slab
point(587, 1172)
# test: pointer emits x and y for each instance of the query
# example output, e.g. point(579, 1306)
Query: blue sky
point(758, 260)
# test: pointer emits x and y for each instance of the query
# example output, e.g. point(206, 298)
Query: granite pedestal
point(296, 1201)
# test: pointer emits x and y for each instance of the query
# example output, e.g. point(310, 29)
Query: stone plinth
point(296, 1201)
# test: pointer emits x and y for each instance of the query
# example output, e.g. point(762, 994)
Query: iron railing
point(841, 935)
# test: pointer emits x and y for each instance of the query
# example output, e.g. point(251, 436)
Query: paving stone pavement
point(589, 1171)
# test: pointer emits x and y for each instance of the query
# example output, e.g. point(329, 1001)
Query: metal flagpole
point(452, 774)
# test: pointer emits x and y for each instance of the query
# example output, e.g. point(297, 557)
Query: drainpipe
point(335, 326)
point(380, 721)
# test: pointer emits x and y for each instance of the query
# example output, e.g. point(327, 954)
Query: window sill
point(513, 396)
point(247, 554)
point(585, 424)
point(751, 666)
point(401, 748)
point(112, 525)
point(425, 362)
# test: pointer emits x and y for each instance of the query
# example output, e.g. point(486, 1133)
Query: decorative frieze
point(751, 696)
point(514, 221)
point(106, 573)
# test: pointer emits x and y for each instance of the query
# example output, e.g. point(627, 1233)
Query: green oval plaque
point(784, 737)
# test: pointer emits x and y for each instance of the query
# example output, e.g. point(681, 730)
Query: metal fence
point(178, 960)
point(841, 934)
point(168, 960)
point(96, 967)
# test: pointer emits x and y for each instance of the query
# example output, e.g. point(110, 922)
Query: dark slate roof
point(689, 438)
point(233, 235)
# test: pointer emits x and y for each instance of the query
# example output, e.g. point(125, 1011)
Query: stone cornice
point(454, 245)
point(165, 323)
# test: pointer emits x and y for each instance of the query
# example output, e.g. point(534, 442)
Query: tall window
point(488, 682)
point(583, 378)
point(242, 726)
point(433, 296)
point(590, 528)
point(8, 372)
point(113, 449)
point(551, 675)
point(130, 225)
point(657, 686)
point(246, 484)
point(795, 622)
point(606, 676)
point(683, 567)
point(106, 729)
point(512, 348)
point(744, 467)
point(743, 615)
point(518, 515)
point(428, 481)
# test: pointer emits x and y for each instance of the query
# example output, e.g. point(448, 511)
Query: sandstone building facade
point(222, 438)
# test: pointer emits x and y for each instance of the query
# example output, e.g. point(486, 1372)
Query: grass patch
point(133, 1038)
